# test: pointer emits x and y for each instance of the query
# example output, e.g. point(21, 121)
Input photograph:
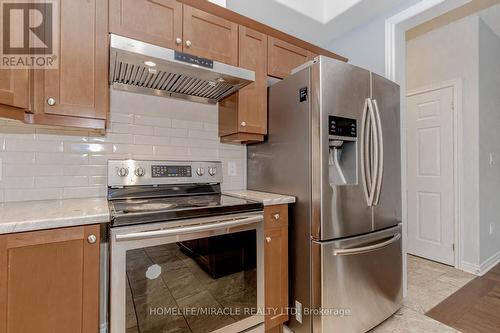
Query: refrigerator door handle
point(365, 148)
point(380, 159)
point(374, 148)
point(365, 249)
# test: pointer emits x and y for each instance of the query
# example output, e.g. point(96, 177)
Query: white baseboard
point(482, 268)
point(470, 268)
point(489, 263)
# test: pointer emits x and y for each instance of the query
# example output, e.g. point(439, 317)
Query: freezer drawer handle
point(189, 229)
point(364, 249)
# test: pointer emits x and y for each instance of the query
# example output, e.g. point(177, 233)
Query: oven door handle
point(189, 229)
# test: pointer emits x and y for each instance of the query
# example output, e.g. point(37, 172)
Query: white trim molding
point(395, 70)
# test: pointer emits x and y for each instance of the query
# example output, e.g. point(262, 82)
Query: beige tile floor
point(429, 283)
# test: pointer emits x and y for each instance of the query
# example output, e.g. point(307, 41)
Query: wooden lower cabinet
point(276, 266)
point(49, 281)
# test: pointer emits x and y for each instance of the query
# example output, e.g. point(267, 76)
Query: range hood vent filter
point(149, 69)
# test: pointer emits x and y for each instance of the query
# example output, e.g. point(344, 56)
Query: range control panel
point(158, 171)
point(340, 126)
point(138, 172)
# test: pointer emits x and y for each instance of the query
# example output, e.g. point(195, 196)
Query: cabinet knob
point(243, 123)
point(188, 43)
point(178, 41)
point(268, 239)
point(51, 101)
point(276, 216)
point(91, 239)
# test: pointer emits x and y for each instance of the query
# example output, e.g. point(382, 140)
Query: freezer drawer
point(359, 281)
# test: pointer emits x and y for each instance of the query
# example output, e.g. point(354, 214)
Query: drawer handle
point(268, 239)
point(276, 216)
point(178, 41)
point(91, 239)
point(365, 249)
point(188, 43)
point(51, 101)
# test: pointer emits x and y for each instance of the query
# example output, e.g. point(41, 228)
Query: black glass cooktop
point(138, 211)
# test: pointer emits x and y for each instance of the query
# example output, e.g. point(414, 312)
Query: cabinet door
point(283, 57)
point(246, 111)
point(276, 276)
point(252, 108)
point(152, 21)
point(49, 281)
point(79, 87)
point(14, 87)
point(210, 36)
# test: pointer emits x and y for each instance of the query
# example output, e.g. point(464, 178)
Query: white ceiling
point(317, 21)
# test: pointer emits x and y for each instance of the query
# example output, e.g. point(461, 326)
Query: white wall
point(365, 45)
point(53, 163)
point(489, 141)
point(445, 54)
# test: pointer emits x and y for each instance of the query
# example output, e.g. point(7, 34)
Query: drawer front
point(275, 216)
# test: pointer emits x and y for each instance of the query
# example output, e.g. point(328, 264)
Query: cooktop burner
point(130, 211)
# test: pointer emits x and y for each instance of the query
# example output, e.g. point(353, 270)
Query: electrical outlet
point(491, 228)
point(298, 311)
point(231, 169)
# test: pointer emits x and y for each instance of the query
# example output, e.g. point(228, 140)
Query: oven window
point(195, 286)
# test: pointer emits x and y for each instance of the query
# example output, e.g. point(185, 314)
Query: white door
point(430, 175)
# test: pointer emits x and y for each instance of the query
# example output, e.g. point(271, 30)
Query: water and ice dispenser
point(343, 156)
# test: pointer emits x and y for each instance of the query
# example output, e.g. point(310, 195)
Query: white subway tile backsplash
point(42, 162)
point(152, 121)
point(64, 181)
point(32, 194)
point(18, 182)
point(187, 124)
point(84, 192)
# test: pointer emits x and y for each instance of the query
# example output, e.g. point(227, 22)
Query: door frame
point(456, 85)
point(395, 70)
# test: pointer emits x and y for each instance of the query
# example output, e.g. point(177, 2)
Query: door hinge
point(453, 246)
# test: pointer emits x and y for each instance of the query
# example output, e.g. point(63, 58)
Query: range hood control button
point(200, 171)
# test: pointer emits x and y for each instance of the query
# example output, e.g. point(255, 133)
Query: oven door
point(195, 275)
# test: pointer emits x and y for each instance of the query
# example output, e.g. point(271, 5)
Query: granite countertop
point(268, 199)
point(48, 214)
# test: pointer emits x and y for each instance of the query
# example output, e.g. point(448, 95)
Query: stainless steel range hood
point(144, 68)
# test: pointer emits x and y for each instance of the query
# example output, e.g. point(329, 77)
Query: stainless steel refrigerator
point(334, 143)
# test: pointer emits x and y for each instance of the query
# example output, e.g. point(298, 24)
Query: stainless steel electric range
point(184, 257)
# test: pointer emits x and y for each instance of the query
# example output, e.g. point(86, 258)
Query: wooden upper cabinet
point(14, 87)
point(49, 281)
point(209, 36)
point(79, 87)
point(283, 57)
point(243, 116)
point(157, 22)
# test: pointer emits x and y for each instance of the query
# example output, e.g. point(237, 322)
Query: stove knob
point(140, 171)
point(200, 171)
point(122, 172)
point(212, 171)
